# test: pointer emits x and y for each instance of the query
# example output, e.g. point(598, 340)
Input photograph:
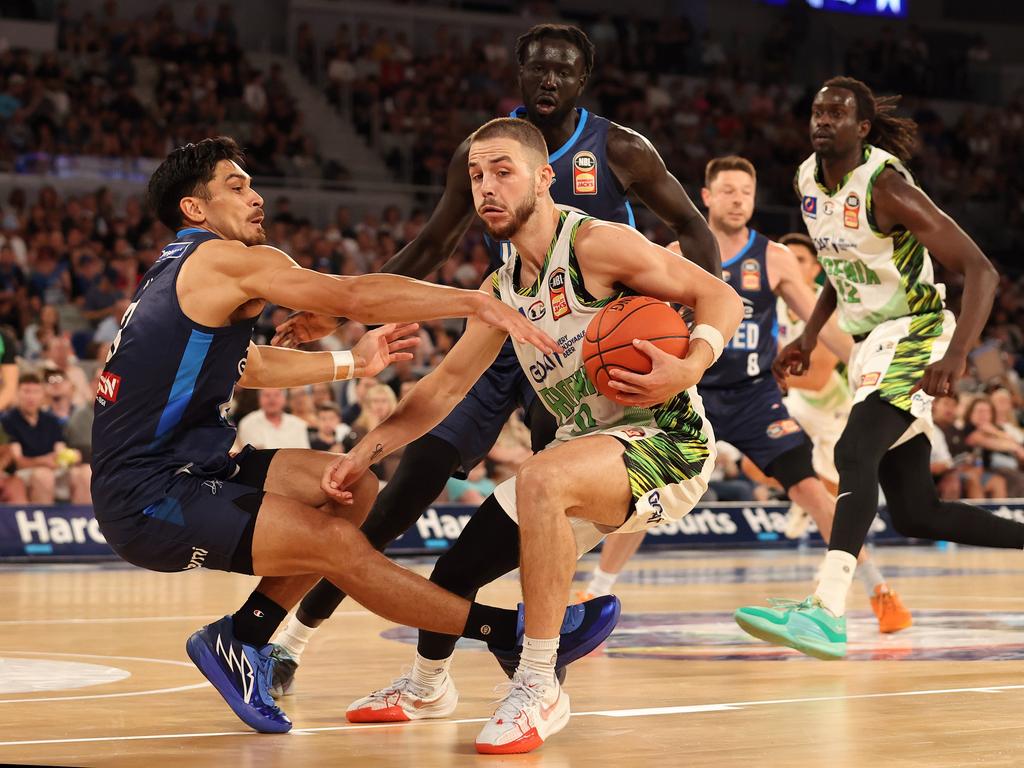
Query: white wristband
point(346, 360)
point(712, 336)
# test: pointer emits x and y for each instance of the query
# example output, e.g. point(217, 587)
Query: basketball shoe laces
point(516, 696)
point(402, 685)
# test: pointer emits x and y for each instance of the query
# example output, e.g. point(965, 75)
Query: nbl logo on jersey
point(559, 302)
point(584, 173)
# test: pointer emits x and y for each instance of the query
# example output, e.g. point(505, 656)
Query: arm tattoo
point(376, 452)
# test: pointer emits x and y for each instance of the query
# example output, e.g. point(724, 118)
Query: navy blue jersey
point(583, 179)
point(163, 395)
point(751, 351)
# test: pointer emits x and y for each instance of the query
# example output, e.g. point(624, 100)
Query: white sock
point(430, 673)
point(836, 576)
point(870, 576)
point(539, 656)
point(294, 637)
point(601, 583)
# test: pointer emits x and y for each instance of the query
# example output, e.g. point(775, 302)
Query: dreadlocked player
point(874, 230)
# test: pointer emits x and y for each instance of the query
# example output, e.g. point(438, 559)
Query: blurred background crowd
point(122, 88)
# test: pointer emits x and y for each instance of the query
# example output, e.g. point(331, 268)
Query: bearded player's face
point(504, 183)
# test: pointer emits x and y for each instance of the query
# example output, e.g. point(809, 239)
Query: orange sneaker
point(892, 615)
point(582, 596)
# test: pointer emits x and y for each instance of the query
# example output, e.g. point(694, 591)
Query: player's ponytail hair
point(897, 135)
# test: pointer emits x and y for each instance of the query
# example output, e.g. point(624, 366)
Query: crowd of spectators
point(124, 89)
point(694, 98)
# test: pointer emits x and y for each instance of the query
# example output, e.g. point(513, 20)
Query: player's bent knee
point(538, 479)
point(339, 542)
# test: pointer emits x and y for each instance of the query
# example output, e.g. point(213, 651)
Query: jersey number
point(124, 324)
point(584, 419)
point(753, 364)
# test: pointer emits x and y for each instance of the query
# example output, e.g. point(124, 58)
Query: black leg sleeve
point(874, 425)
point(917, 511)
point(487, 549)
point(419, 479)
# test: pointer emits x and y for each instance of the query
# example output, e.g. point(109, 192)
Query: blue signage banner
point(893, 9)
point(72, 533)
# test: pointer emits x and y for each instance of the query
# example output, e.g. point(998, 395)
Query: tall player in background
point(741, 397)
point(595, 164)
point(875, 231)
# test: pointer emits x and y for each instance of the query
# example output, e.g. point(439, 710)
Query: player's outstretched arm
point(640, 169)
point(375, 351)
point(433, 398)
point(899, 204)
point(786, 281)
point(266, 273)
point(431, 248)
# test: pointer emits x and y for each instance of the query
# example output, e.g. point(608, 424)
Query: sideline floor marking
point(644, 712)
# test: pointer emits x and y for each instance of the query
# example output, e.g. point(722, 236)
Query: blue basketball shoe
point(584, 627)
point(241, 674)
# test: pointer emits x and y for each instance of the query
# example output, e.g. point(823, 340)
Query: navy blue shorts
point(475, 423)
point(198, 522)
point(753, 418)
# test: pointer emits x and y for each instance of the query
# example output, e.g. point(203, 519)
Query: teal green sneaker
point(806, 626)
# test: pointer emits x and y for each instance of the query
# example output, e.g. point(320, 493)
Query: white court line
point(172, 662)
point(645, 712)
point(127, 620)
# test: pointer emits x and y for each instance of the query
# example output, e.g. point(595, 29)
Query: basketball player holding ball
point(638, 461)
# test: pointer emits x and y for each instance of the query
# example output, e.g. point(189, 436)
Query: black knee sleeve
point(487, 549)
point(917, 512)
point(874, 425)
point(421, 475)
point(793, 466)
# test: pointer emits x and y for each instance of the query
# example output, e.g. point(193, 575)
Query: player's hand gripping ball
point(608, 342)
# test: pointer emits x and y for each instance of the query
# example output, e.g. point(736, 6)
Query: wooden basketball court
point(93, 672)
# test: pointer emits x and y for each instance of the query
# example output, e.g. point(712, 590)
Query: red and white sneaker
point(404, 700)
point(533, 710)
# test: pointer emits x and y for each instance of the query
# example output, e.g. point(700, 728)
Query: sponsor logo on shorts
point(108, 387)
point(654, 499)
point(197, 559)
point(633, 432)
point(537, 310)
point(782, 428)
point(584, 173)
point(851, 211)
point(559, 303)
point(750, 275)
point(869, 379)
point(810, 206)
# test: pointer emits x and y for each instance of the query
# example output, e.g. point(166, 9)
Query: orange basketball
point(608, 342)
